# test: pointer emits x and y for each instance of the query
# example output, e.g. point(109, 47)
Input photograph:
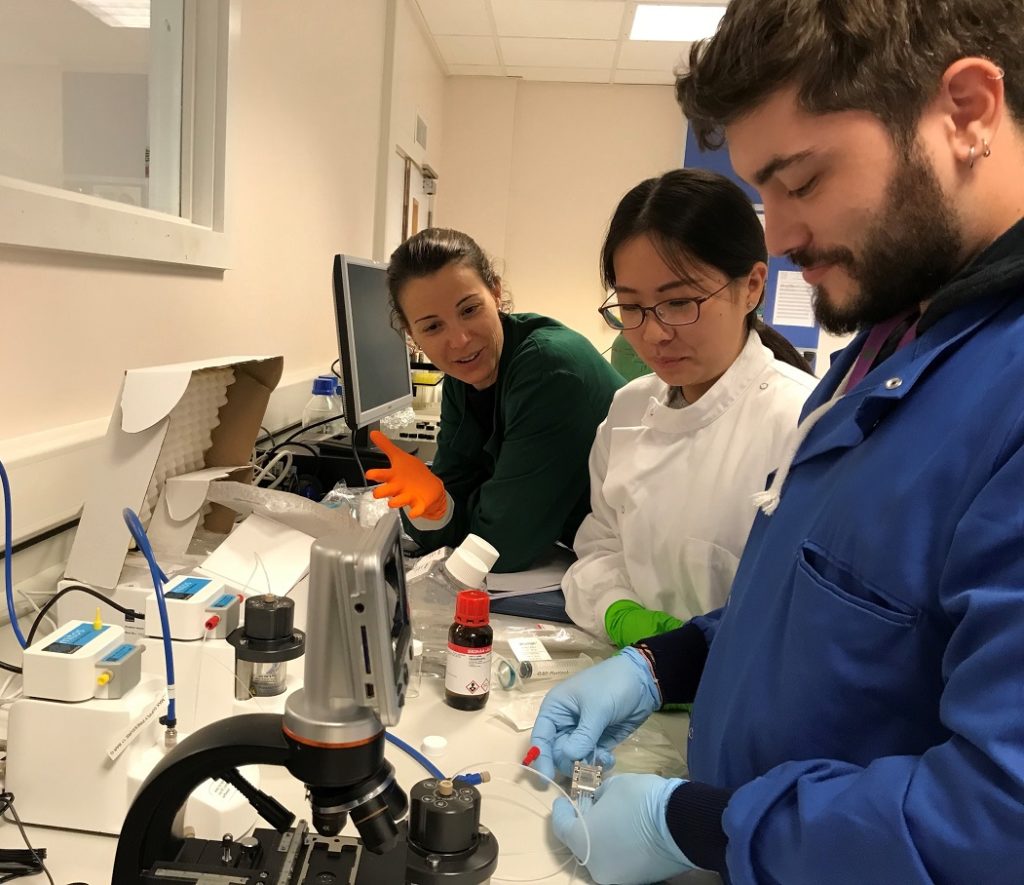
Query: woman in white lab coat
point(682, 452)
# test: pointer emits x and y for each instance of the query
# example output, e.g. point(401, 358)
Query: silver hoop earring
point(986, 151)
point(970, 158)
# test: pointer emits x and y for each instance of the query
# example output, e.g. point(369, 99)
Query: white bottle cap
point(486, 553)
point(433, 745)
point(467, 570)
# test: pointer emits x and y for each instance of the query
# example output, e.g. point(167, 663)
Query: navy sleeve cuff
point(694, 817)
point(678, 658)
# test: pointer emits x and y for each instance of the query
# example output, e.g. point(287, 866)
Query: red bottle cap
point(472, 608)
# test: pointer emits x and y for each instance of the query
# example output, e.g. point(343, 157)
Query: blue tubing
point(416, 754)
point(131, 520)
point(8, 556)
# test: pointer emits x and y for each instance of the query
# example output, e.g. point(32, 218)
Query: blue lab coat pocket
point(840, 580)
point(851, 648)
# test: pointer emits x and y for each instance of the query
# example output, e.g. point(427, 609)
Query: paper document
point(793, 305)
point(544, 576)
point(261, 556)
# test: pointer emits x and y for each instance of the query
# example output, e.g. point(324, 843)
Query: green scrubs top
point(625, 359)
point(526, 485)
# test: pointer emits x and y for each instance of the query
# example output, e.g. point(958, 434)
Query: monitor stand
point(335, 461)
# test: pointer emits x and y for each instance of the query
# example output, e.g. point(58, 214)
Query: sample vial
point(467, 675)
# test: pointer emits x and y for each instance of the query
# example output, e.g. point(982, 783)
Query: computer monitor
point(374, 356)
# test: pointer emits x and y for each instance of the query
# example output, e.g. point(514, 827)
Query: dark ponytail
point(693, 213)
point(778, 344)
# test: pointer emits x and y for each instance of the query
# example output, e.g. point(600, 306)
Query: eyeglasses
point(672, 312)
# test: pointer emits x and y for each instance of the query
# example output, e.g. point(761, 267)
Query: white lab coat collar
point(745, 370)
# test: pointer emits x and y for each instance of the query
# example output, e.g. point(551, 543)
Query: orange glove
point(407, 482)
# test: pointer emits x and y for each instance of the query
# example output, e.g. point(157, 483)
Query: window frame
point(45, 217)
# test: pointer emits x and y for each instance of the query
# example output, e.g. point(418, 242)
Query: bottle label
point(468, 670)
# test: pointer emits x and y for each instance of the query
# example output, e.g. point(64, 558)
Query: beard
point(912, 247)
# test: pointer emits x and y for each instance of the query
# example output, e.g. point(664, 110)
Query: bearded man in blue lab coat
point(859, 703)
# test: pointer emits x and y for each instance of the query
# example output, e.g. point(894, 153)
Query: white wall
point(418, 89)
point(303, 154)
point(473, 192)
point(534, 172)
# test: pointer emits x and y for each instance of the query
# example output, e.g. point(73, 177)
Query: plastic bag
point(359, 501)
point(398, 421)
point(291, 510)
point(650, 750)
point(563, 639)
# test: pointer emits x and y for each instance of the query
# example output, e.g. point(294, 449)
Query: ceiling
point(575, 41)
point(59, 33)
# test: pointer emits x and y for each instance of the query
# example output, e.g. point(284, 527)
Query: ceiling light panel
point(679, 23)
point(121, 14)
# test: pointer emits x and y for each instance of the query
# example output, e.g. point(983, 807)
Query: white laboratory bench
point(476, 740)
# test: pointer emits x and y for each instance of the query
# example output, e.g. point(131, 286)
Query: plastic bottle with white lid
point(469, 564)
point(324, 403)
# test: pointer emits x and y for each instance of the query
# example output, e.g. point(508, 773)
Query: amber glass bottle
point(467, 675)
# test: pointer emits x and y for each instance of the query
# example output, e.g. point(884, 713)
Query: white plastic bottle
point(468, 565)
point(323, 404)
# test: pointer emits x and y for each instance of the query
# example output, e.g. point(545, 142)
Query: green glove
point(627, 622)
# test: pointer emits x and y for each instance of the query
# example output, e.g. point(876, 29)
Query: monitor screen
point(374, 357)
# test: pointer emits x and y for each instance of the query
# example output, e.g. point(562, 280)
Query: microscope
point(331, 738)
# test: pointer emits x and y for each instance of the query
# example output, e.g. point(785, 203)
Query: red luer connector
point(531, 755)
point(213, 622)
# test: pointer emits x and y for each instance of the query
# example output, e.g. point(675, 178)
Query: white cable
point(7, 684)
point(266, 574)
point(237, 679)
point(265, 470)
point(483, 766)
point(11, 699)
point(27, 596)
point(285, 471)
point(248, 581)
point(199, 673)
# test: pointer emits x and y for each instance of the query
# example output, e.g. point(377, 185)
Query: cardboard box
point(180, 505)
point(171, 425)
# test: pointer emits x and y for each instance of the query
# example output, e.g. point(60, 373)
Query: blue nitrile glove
point(595, 709)
point(630, 842)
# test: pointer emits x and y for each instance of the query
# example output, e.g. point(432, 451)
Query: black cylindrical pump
point(264, 644)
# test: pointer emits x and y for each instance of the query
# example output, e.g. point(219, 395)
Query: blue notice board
point(801, 337)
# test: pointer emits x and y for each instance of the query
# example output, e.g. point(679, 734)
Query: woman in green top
point(522, 398)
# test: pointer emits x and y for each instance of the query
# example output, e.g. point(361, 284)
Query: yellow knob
point(104, 677)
